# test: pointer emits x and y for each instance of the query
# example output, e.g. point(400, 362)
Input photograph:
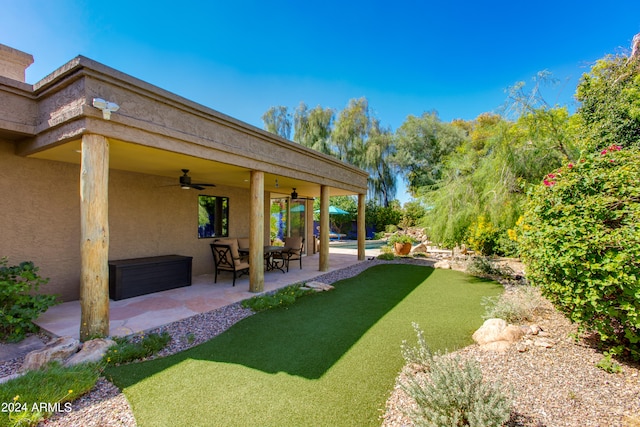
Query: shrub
point(581, 244)
point(19, 303)
point(127, 350)
point(281, 298)
point(483, 236)
point(482, 266)
point(451, 392)
point(399, 238)
point(515, 306)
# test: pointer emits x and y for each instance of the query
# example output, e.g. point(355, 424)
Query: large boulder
point(57, 349)
point(497, 335)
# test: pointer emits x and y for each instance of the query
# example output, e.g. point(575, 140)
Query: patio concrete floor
point(141, 313)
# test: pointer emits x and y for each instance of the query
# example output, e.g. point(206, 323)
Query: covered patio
point(138, 314)
point(96, 159)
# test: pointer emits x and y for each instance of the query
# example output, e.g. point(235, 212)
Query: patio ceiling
point(152, 161)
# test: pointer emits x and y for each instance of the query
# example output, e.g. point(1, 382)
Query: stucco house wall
point(46, 126)
point(148, 216)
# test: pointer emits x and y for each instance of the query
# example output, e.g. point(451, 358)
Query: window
point(213, 216)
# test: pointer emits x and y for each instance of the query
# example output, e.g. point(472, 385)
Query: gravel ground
point(557, 386)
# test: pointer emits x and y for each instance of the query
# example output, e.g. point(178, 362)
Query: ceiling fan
point(294, 196)
point(186, 184)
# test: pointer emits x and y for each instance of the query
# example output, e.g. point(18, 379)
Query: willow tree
point(278, 120)
point(312, 128)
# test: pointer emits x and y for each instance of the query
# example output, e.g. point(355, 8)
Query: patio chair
point(295, 246)
point(227, 258)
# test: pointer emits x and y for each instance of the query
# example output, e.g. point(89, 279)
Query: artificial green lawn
point(330, 359)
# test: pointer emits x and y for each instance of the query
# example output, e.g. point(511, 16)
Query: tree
point(312, 128)
point(351, 130)
point(379, 149)
point(278, 120)
point(421, 144)
point(609, 112)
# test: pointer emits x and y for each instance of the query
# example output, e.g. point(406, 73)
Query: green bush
point(581, 244)
point(281, 298)
point(451, 392)
point(19, 302)
point(129, 349)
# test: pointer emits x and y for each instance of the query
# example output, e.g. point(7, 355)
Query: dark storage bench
point(132, 277)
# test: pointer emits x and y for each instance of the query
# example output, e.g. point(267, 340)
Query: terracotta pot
point(402, 248)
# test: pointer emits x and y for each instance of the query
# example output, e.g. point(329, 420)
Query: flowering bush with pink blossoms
point(581, 244)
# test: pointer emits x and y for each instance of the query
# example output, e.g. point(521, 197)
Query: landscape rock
point(497, 346)
point(442, 264)
point(57, 349)
point(489, 331)
point(497, 335)
point(544, 342)
point(92, 351)
point(318, 286)
point(421, 248)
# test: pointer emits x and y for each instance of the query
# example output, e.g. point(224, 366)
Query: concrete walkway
point(137, 314)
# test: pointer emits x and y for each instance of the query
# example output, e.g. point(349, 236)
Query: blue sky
point(406, 57)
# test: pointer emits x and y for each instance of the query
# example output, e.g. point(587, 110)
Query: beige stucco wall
point(40, 218)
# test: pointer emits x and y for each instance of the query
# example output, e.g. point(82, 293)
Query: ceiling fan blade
point(196, 187)
point(204, 185)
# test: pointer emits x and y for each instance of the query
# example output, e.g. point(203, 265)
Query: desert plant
point(19, 302)
point(514, 306)
point(483, 266)
point(450, 391)
point(582, 246)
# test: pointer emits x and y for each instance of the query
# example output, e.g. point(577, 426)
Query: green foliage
point(422, 143)
point(278, 120)
point(313, 127)
point(127, 350)
point(607, 364)
point(450, 391)
point(54, 385)
point(19, 302)
point(386, 256)
point(582, 246)
point(413, 213)
point(484, 267)
point(281, 298)
point(379, 217)
point(483, 236)
point(400, 238)
point(609, 111)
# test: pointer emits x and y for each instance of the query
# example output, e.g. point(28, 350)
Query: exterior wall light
point(106, 107)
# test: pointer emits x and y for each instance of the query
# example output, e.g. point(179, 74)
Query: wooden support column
point(324, 228)
point(362, 231)
point(256, 233)
point(94, 229)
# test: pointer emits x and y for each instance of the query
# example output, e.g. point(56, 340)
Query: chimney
point(14, 63)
